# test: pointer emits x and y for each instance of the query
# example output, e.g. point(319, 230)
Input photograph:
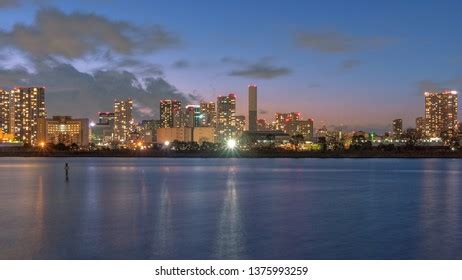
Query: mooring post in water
point(66, 168)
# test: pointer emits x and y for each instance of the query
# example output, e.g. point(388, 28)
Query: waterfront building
point(420, 127)
point(252, 108)
point(301, 127)
point(123, 120)
point(6, 137)
point(170, 113)
point(28, 107)
point(192, 116)
point(441, 110)
point(6, 112)
point(397, 128)
point(226, 117)
point(204, 134)
point(170, 134)
point(101, 132)
point(148, 130)
point(282, 119)
point(263, 139)
point(106, 118)
point(262, 125)
point(240, 125)
point(208, 114)
point(63, 129)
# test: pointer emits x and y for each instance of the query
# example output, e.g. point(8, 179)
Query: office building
point(101, 132)
point(170, 134)
point(64, 130)
point(252, 108)
point(204, 134)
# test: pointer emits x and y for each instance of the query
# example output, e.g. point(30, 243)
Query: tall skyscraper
point(29, 106)
point(226, 117)
point(441, 113)
point(170, 113)
point(123, 119)
point(397, 127)
point(6, 111)
point(208, 114)
point(252, 108)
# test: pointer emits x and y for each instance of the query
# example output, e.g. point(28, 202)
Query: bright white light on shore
point(166, 143)
point(92, 124)
point(231, 144)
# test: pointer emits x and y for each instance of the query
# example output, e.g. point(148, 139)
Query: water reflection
point(163, 241)
point(230, 209)
point(39, 216)
point(439, 209)
point(229, 243)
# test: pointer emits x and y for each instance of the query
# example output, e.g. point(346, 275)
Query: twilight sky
point(356, 63)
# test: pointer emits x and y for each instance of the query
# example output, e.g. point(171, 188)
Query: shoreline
point(236, 154)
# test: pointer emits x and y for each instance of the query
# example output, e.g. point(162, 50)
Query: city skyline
point(318, 59)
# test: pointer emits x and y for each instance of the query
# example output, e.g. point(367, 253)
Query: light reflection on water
point(230, 209)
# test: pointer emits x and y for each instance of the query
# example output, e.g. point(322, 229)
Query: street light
point(231, 144)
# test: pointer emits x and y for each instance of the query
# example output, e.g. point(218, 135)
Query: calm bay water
point(144, 208)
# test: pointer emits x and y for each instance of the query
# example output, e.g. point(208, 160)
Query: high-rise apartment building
point(282, 119)
point(6, 112)
point(123, 119)
point(301, 127)
point(420, 126)
point(29, 106)
point(240, 125)
point(192, 116)
point(170, 113)
point(397, 127)
point(252, 108)
point(226, 117)
point(208, 114)
point(441, 113)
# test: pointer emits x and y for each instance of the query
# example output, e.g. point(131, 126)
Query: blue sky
point(360, 63)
